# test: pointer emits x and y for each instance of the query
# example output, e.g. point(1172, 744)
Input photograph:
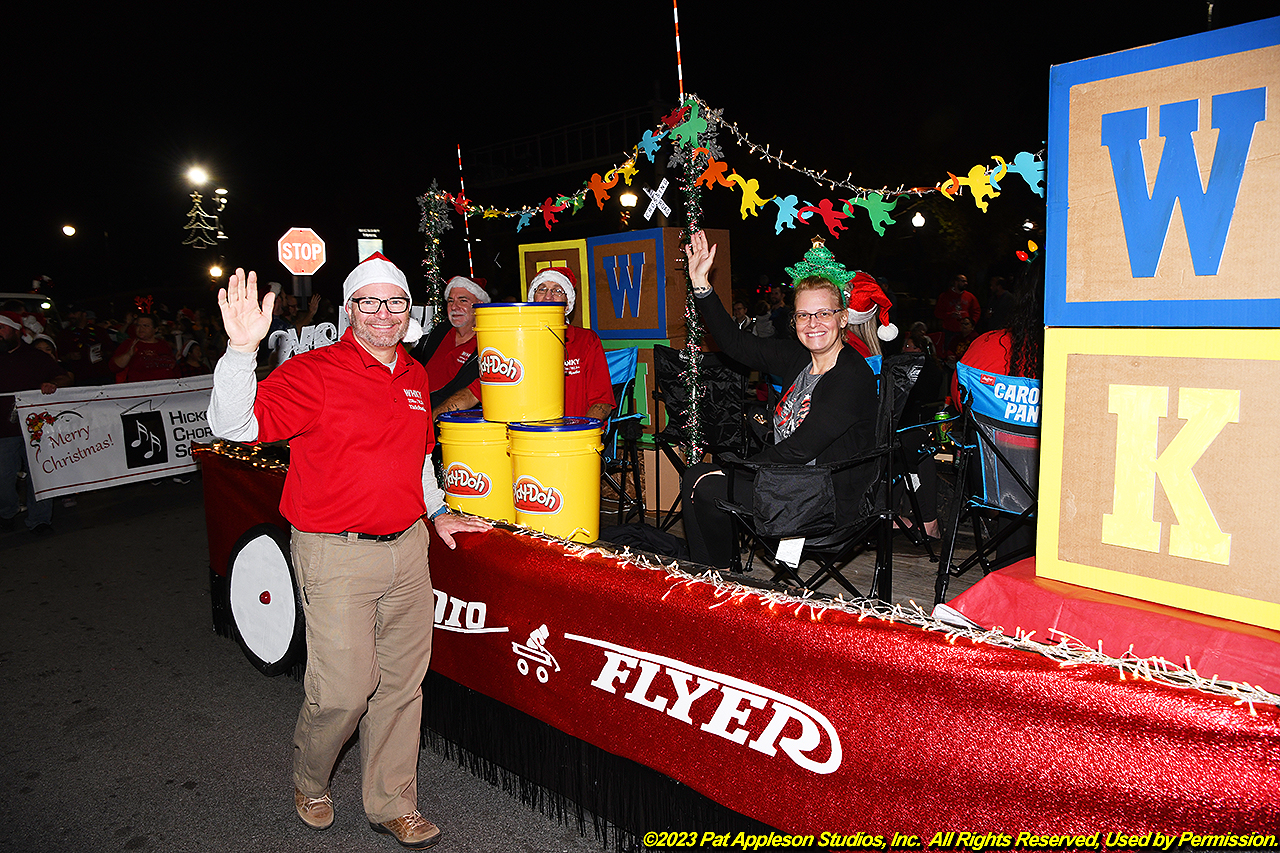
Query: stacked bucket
point(519, 459)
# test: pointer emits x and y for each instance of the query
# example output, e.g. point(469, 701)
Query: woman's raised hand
point(701, 257)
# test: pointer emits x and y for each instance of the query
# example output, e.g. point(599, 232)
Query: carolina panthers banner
point(80, 439)
point(1012, 399)
point(1163, 180)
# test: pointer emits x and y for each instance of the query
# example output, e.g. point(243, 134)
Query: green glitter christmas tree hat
point(820, 262)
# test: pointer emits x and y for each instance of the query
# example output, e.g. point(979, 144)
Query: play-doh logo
point(497, 369)
point(532, 496)
point(461, 482)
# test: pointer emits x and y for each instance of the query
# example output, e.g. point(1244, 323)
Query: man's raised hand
point(246, 324)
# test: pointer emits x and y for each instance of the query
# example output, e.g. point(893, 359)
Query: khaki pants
point(369, 608)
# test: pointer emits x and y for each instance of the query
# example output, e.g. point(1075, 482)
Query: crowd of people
point(39, 352)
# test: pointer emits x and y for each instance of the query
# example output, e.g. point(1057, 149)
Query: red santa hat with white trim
point(475, 288)
point(866, 300)
point(562, 276)
point(376, 269)
point(10, 319)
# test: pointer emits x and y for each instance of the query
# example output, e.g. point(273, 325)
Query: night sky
point(339, 121)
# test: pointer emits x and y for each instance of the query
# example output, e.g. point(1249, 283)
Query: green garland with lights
point(434, 222)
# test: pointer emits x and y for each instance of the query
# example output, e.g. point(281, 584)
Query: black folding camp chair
point(997, 473)
point(723, 384)
point(620, 458)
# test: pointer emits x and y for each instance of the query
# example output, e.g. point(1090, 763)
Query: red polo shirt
point(448, 359)
point(358, 437)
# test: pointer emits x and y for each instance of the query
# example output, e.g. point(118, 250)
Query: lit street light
point(203, 229)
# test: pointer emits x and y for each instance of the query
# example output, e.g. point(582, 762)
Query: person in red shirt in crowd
point(23, 367)
point(868, 314)
point(144, 357)
point(587, 389)
point(954, 303)
point(449, 351)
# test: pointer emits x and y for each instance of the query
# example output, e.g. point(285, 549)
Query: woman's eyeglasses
point(822, 316)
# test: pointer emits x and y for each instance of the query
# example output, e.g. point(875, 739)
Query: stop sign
point(301, 251)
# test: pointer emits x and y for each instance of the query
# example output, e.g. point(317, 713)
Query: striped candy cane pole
point(466, 223)
point(675, 11)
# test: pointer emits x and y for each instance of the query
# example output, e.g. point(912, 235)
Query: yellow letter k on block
point(1131, 524)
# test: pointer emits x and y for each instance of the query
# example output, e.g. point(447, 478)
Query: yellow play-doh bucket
point(477, 466)
point(556, 469)
point(521, 350)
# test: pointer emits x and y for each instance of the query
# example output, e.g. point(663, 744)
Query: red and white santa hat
point(376, 269)
point(11, 319)
point(474, 288)
point(866, 300)
point(562, 276)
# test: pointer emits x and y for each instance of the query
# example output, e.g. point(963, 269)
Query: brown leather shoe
point(413, 830)
point(316, 812)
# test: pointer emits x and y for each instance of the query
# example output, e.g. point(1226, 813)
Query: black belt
point(374, 537)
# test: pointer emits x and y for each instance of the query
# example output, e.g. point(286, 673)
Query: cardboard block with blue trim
point(1164, 174)
point(1158, 470)
point(637, 283)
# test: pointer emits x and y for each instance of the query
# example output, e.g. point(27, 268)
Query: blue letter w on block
point(624, 281)
point(1206, 213)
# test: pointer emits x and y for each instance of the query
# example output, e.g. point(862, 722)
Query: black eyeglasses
point(822, 315)
point(372, 304)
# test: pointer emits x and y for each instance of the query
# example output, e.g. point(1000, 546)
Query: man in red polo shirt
point(360, 481)
point(449, 351)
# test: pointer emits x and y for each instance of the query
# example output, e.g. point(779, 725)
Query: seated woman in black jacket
point(826, 415)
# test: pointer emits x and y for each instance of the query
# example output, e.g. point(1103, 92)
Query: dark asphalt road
point(133, 726)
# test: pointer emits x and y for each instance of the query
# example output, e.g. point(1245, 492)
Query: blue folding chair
point(997, 472)
point(621, 455)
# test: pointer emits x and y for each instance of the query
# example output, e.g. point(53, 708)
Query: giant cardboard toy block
point(1164, 171)
point(1157, 473)
point(638, 283)
point(1158, 470)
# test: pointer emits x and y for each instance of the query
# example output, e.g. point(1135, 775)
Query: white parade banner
point(80, 439)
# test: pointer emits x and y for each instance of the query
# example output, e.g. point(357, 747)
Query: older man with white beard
point(360, 482)
point(449, 351)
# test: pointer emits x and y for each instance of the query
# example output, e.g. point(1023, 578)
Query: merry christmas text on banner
point(80, 439)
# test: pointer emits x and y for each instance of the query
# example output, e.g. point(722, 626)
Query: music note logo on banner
point(144, 443)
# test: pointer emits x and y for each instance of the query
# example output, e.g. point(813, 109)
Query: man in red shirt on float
point(587, 389)
point(144, 357)
point(449, 351)
point(359, 486)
